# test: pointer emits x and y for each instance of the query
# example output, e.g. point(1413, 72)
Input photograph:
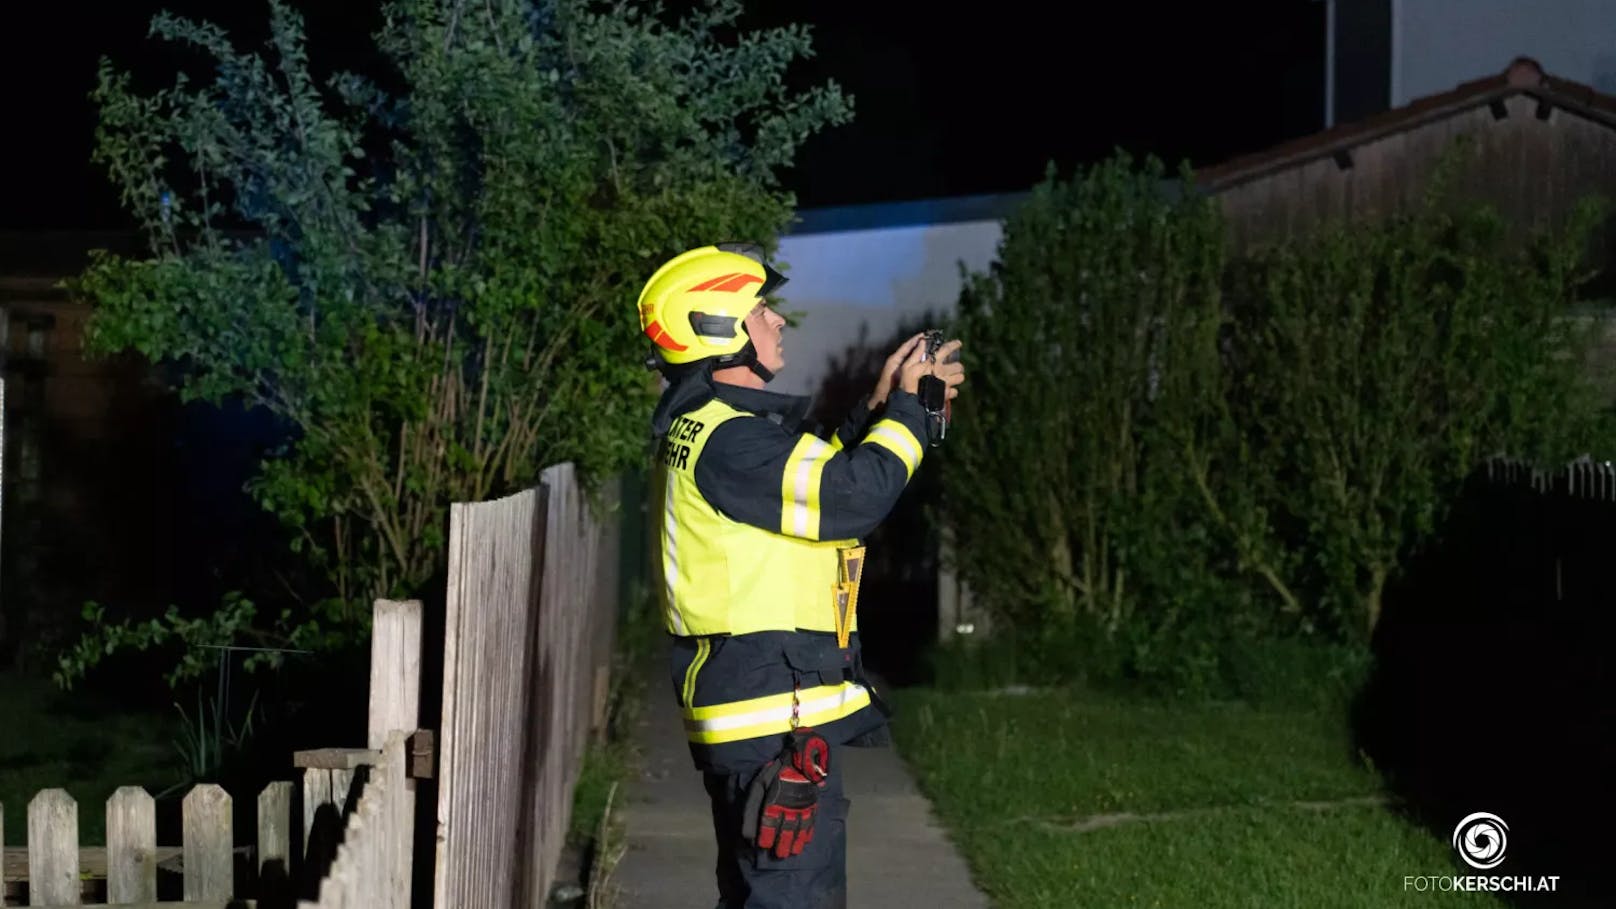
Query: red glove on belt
point(784, 796)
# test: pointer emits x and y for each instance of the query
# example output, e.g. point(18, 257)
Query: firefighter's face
point(764, 325)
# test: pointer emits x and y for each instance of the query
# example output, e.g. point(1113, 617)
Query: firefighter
point(760, 556)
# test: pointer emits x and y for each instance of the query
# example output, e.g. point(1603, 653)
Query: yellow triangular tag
point(850, 562)
point(844, 615)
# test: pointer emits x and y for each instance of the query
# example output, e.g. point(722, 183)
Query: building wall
point(87, 488)
point(1532, 170)
point(856, 289)
point(1438, 44)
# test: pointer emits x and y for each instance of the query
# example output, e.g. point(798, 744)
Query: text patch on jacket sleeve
point(675, 452)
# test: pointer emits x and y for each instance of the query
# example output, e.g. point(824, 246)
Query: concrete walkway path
point(897, 853)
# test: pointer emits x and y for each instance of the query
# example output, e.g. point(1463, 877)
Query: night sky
point(974, 101)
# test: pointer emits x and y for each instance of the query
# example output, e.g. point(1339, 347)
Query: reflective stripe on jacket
point(751, 512)
point(735, 694)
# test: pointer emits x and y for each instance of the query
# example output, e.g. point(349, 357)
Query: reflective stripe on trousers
point(771, 714)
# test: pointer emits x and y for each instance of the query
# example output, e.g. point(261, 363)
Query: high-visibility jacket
point(751, 511)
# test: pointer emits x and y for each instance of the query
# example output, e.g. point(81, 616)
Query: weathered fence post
point(2, 853)
point(208, 842)
point(395, 670)
point(395, 708)
point(275, 841)
point(316, 794)
point(53, 849)
point(131, 846)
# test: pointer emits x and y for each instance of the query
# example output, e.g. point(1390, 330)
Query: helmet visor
point(772, 280)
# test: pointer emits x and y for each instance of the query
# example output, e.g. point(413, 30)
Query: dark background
point(974, 100)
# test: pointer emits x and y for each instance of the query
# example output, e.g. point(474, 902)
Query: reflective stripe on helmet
point(658, 334)
point(729, 283)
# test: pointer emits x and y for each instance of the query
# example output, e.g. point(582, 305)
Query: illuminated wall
point(849, 283)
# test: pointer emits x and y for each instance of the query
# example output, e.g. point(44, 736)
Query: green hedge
point(1169, 453)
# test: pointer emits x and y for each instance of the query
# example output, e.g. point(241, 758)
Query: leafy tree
point(429, 275)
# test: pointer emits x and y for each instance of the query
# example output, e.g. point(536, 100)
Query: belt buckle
point(849, 569)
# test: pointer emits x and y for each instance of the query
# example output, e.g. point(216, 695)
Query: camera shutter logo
point(1480, 840)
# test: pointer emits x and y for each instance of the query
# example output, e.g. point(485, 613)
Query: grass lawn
point(1068, 799)
point(50, 739)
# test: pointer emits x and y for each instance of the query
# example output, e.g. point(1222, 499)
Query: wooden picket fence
point(210, 870)
point(530, 622)
point(55, 872)
point(352, 848)
point(374, 861)
point(372, 849)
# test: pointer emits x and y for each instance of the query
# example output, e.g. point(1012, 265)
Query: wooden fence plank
point(207, 841)
point(342, 889)
point(92, 862)
point(443, 863)
point(322, 829)
point(2, 840)
point(401, 849)
point(131, 846)
point(184, 904)
point(532, 592)
point(53, 849)
point(316, 793)
point(395, 715)
point(489, 668)
point(275, 840)
point(349, 865)
point(341, 790)
point(395, 669)
point(335, 758)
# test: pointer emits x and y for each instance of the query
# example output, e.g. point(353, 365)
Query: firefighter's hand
point(890, 370)
point(952, 373)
